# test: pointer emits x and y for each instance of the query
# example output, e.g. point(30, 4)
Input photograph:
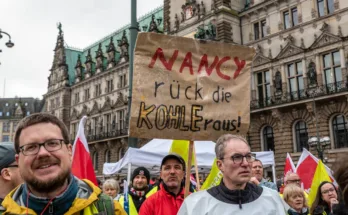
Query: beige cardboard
point(193, 112)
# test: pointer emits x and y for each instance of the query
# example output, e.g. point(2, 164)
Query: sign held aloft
point(189, 89)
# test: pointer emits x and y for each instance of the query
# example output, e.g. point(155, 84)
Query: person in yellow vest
point(293, 178)
point(138, 191)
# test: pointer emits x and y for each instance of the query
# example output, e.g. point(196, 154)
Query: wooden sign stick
point(188, 169)
point(198, 186)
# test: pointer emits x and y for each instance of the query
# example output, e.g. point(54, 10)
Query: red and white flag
point(306, 167)
point(82, 166)
point(289, 165)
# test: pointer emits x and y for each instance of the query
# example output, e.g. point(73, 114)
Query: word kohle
point(186, 89)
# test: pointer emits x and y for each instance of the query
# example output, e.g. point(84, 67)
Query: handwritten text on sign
point(185, 89)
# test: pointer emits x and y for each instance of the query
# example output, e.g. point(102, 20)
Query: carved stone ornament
point(107, 104)
point(314, 13)
point(289, 50)
point(78, 67)
point(312, 74)
point(340, 31)
point(324, 27)
point(260, 60)
point(258, 49)
point(153, 25)
point(289, 39)
point(74, 115)
point(270, 53)
point(337, 4)
point(168, 24)
point(338, 17)
point(123, 44)
point(84, 111)
point(302, 44)
point(120, 100)
point(325, 39)
point(95, 109)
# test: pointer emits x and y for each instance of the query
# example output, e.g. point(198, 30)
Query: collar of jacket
point(250, 193)
point(292, 211)
point(59, 205)
point(86, 195)
point(164, 187)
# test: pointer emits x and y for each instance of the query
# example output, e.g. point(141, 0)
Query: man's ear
point(69, 146)
point(219, 164)
point(6, 174)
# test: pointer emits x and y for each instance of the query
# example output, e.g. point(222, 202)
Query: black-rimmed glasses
point(34, 148)
point(238, 158)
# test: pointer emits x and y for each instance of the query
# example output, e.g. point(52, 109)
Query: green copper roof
point(72, 53)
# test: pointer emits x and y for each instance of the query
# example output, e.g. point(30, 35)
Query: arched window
point(340, 133)
point(268, 139)
point(301, 136)
point(107, 156)
point(121, 153)
point(95, 161)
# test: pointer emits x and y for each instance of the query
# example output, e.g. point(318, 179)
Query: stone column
point(343, 63)
point(252, 83)
point(304, 70)
point(319, 70)
point(284, 79)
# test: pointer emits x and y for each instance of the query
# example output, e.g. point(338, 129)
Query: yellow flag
point(320, 175)
point(214, 177)
point(181, 148)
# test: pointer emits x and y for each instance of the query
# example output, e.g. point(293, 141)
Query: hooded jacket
point(219, 200)
point(84, 202)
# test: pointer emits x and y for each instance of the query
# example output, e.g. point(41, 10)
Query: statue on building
point(202, 9)
point(88, 127)
point(177, 22)
point(312, 74)
point(278, 81)
point(59, 26)
point(101, 125)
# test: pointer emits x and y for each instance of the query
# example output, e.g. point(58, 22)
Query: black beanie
point(141, 171)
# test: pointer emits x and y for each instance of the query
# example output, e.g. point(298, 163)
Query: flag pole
point(196, 168)
point(188, 169)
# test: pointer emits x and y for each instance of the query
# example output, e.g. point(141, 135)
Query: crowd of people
point(36, 178)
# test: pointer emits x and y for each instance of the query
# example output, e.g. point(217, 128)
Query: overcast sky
point(32, 26)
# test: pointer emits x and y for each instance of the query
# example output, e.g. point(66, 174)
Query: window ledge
point(330, 151)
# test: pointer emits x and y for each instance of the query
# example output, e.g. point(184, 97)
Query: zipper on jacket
point(50, 209)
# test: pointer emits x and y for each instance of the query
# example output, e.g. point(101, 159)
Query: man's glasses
point(34, 148)
point(238, 158)
point(328, 191)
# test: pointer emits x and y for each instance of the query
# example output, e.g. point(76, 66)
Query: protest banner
point(188, 89)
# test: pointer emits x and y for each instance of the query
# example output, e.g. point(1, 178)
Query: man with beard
point(9, 173)
point(138, 190)
point(168, 199)
point(257, 176)
point(44, 157)
point(234, 195)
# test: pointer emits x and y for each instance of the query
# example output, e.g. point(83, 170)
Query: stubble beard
point(41, 186)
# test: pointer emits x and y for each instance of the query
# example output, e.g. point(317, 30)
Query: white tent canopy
point(151, 155)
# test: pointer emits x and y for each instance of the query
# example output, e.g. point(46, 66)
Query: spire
point(123, 44)
point(59, 58)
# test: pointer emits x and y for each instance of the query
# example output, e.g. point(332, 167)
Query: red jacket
point(162, 203)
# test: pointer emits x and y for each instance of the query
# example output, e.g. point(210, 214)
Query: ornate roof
point(72, 53)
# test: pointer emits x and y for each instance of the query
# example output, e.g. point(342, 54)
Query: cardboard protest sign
point(187, 89)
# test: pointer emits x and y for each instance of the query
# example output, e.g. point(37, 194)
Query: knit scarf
point(137, 193)
point(60, 205)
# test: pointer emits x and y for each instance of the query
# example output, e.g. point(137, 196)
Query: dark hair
point(257, 160)
point(36, 119)
point(341, 176)
point(318, 201)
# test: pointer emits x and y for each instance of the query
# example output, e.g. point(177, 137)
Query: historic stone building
point(12, 110)
point(94, 82)
point(299, 77)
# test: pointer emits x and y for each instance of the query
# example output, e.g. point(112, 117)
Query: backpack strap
point(105, 205)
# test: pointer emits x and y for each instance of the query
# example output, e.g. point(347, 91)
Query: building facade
point(94, 82)
point(12, 110)
point(299, 78)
